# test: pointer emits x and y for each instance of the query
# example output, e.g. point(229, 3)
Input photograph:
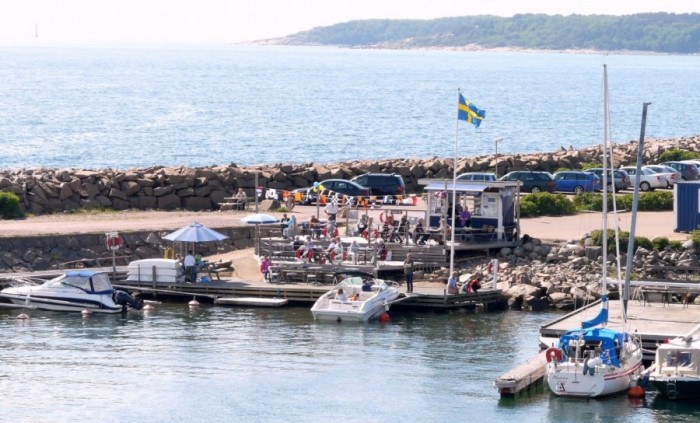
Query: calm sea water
point(123, 107)
point(174, 364)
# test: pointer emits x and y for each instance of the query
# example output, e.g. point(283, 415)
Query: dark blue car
point(576, 181)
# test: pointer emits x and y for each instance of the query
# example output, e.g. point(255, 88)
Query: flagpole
point(454, 196)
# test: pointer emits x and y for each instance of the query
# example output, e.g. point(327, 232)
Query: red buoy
point(384, 317)
point(636, 392)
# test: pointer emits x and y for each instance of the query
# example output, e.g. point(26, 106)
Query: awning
point(459, 187)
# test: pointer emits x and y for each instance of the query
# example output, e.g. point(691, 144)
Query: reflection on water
point(236, 364)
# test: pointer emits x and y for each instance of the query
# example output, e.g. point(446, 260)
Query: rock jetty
point(45, 191)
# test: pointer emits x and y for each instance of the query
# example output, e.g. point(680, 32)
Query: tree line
point(657, 32)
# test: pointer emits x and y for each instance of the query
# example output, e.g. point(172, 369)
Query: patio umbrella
point(259, 219)
point(195, 232)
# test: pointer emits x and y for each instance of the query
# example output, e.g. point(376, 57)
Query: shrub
point(528, 209)
point(675, 244)
point(695, 237)
point(660, 243)
point(648, 201)
point(675, 155)
point(656, 201)
point(585, 166)
point(644, 242)
point(547, 204)
point(9, 205)
point(639, 241)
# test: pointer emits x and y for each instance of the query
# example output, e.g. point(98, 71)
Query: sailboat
point(594, 360)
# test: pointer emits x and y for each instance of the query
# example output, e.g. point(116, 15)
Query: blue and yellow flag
point(469, 112)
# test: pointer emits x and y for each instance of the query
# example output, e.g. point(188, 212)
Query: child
point(265, 268)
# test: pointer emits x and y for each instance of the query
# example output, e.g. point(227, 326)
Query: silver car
point(648, 179)
point(670, 175)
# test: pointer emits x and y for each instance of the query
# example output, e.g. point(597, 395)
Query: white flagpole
point(454, 193)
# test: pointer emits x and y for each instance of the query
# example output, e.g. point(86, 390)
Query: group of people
point(472, 285)
point(191, 264)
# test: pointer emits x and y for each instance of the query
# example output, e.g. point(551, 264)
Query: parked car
point(477, 176)
point(648, 179)
point(382, 183)
point(670, 174)
point(342, 186)
point(576, 181)
point(622, 179)
point(533, 181)
point(689, 171)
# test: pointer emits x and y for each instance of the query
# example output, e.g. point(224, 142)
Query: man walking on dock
point(408, 272)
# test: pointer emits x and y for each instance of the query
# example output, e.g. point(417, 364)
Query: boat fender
point(169, 253)
point(589, 365)
point(636, 392)
point(553, 353)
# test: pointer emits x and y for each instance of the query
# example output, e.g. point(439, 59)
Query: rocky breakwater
point(43, 191)
point(537, 276)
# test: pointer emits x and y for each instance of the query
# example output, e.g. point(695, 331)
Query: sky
point(230, 21)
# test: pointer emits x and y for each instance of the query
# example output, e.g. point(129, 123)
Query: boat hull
point(350, 315)
point(677, 387)
point(62, 304)
point(568, 379)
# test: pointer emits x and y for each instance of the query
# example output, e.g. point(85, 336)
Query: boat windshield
point(101, 282)
point(80, 282)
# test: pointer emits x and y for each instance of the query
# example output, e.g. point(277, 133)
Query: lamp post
point(495, 143)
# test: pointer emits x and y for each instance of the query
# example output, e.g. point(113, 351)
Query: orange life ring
point(553, 352)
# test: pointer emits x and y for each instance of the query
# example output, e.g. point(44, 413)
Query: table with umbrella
point(258, 219)
point(195, 233)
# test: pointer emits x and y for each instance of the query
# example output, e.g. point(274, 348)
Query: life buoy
point(381, 217)
point(553, 352)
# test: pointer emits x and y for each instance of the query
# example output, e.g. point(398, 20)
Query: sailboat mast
point(606, 130)
point(635, 202)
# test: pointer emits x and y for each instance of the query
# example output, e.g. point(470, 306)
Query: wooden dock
point(522, 378)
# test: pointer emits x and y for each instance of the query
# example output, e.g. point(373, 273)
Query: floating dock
point(251, 301)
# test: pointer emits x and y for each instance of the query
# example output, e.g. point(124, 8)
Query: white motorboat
point(676, 370)
point(594, 360)
point(355, 304)
point(73, 291)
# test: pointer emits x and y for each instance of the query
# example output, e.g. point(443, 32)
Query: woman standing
point(408, 271)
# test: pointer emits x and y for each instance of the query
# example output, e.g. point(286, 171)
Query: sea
point(218, 364)
point(128, 106)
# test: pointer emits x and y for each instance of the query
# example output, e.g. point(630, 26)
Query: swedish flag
point(469, 112)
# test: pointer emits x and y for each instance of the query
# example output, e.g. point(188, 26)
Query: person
point(190, 267)
point(314, 227)
point(387, 228)
point(289, 229)
point(306, 251)
point(367, 285)
point(465, 217)
point(362, 225)
point(408, 267)
point(379, 251)
point(404, 226)
point(340, 295)
point(444, 231)
point(419, 234)
point(452, 284)
point(265, 268)
point(474, 285)
point(337, 253)
point(178, 258)
point(284, 221)
point(330, 252)
point(241, 199)
point(330, 231)
point(331, 209)
point(354, 251)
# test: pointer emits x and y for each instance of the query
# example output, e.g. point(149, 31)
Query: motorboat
point(356, 304)
point(73, 291)
point(594, 360)
point(676, 369)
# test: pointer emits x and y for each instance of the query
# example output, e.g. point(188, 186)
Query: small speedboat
point(676, 370)
point(73, 291)
point(356, 304)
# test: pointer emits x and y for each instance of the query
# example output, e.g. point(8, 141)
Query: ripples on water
point(223, 364)
point(124, 107)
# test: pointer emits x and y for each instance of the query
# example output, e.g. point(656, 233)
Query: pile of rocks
point(44, 191)
point(537, 276)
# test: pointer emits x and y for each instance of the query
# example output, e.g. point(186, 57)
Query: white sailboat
point(594, 360)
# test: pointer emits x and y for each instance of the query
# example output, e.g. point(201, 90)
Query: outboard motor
point(123, 299)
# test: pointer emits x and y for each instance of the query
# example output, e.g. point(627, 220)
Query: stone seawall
point(45, 191)
point(38, 253)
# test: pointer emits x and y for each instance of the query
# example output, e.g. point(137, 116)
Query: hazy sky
point(197, 21)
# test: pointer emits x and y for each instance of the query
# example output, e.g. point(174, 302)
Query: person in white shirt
point(331, 210)
point(340, 295)
point(190, 267)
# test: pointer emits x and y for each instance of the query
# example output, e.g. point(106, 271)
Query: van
point(381, 183)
